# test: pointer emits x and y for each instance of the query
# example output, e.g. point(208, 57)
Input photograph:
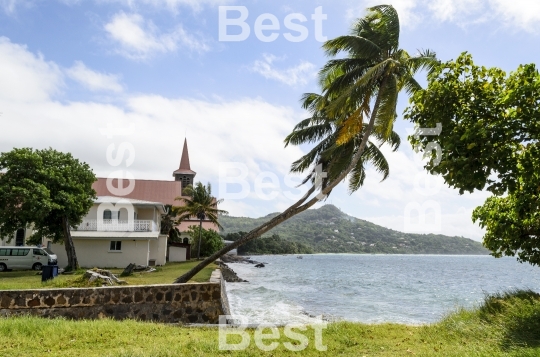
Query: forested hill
point(328, 230)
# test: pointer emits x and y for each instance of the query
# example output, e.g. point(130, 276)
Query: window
point(19, 252)
point(4, 252)
point(19, 237)
point(116, 246)
point(107, 214)
point(39, 252)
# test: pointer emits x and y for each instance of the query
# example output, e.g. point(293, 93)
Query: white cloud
point(454, 10)
point(249, 130)
point(521, 13)
point(93, 80)
point(293, 76)
point(518, 14)
point(26, 77)
point(140, 39)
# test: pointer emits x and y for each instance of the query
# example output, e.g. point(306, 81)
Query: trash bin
point(54, 271)
point(48, 272)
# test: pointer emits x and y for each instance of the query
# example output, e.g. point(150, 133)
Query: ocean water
point(412, 289)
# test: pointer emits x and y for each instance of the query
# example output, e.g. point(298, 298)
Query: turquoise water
point(411, 289)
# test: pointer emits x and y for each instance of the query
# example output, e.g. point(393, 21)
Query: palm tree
point(169, 225)
point(198, 202)
point(364, 84)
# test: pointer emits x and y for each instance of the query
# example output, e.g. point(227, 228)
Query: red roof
point(146, 190)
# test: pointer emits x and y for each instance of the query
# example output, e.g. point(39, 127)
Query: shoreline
point(484, 330)
point(288, 289)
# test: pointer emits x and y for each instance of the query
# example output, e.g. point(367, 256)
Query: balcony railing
point(114, 225)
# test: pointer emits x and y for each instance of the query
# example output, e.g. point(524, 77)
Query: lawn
point(505, 325)
point(27, 279)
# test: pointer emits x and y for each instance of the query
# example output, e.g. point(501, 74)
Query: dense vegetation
point(328, 230)
point(490, 134)
point(211, 241)
point(505, 325)
point(48, 189)
point(268, 245)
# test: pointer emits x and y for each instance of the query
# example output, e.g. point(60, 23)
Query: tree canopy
point(198, 202)
point(48, 189)
point(211, 241)
point(490, 127)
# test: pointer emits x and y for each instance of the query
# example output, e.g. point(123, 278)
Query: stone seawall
point(218, 278)
point(175, 303)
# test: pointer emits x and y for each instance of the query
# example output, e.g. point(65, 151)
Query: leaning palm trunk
point(73, 263)
point(374, 68)
point(293, 210)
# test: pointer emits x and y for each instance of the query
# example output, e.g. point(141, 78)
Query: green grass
point(504, 325)
point(17, 279)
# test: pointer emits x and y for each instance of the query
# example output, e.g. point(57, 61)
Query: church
point(115, 234)
point(164, 192)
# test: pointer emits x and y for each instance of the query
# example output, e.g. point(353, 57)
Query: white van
point(25, 258)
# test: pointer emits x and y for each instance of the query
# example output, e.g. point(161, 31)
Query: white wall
point(95, 253)
point(177, 254)
point(158, 250)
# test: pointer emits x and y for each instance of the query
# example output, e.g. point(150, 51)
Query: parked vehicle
point(25, 258)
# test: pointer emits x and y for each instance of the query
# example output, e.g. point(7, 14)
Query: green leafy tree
point(490, 127)
point(199, 202)
point(363, 84)
point(208, 240)
point(48, 189)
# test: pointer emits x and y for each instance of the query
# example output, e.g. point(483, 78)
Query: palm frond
point(361, 47)
point(386, 114)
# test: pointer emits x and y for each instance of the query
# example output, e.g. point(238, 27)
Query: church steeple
point(184, 162)
point(184, 172)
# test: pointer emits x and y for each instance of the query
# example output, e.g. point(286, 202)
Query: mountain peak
point(327, 229)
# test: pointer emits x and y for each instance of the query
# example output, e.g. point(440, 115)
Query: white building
point(117, 232)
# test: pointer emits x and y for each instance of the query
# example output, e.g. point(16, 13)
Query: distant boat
point(300, 257)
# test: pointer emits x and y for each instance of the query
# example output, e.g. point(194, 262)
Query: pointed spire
point(184, 162)
point(185, 167)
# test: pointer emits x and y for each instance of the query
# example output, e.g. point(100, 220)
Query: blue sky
point(69, 68)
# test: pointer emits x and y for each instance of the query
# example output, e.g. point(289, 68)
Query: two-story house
point(117, 232)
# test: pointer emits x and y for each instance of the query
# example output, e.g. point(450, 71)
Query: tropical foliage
point(169, 224)
point(211, 241)
point(359, 91)
point(490, 124)
point(48, 189)
point(199, 202)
